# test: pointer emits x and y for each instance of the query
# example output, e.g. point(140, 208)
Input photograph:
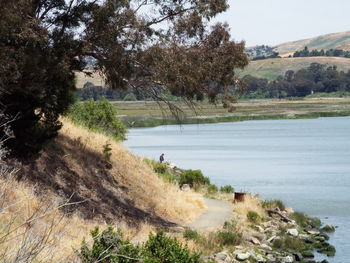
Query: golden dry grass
point(149, 192)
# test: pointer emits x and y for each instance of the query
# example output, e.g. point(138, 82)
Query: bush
point(130, 97)
point(253, 216)
point(191, 234)
point(300, 218)
point(159, 248)
point(268, 204)
point(288, 242)
point(100, 116)
point(109, 247)
point(227, 189)
point(212, 189)
point(193, 177)
point(227, 238)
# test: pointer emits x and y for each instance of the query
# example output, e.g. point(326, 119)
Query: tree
point(43, 42)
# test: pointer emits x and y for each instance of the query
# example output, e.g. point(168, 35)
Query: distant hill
point(272, 68)
point(334, 40)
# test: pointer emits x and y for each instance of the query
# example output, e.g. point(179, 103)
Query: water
point(305, 163)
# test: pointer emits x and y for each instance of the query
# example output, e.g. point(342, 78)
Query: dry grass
point(148, 191)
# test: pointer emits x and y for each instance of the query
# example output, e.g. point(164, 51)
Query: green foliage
point(271, 204)
point(192, 177)
point(317, 78)
point(212, 189)
point(162, 170)
point(130, 97)
point(287, 242)
point(191, 234)
point(228, 238)
point(107, 151)
point(162, 249)
point(109, 247)
point(227, 189)
point(98, 116)
point(300, 218)
point(253, 216)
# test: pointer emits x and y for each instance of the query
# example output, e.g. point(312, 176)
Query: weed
point(253, 216)
point(191, 234)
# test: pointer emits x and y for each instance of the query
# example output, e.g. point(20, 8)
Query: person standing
point(161, 158)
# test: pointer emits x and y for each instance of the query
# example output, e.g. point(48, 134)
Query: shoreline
point(156, 122)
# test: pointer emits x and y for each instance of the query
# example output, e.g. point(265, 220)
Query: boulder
point(287, 259)
point(185, 187)
point(255, 241)
point(260, 258)
point(222, 257)
point(298, 257)
point(313, 232)
point(242, 256)
point(293, 232)
point(328, 228)
point(265, 247)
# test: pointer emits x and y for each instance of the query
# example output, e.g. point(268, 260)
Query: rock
point(298, 256)
point(293, 232)
point(222, 257)
point(328, 228)
point(271, 239)
point(265, 247)
point(289, 210)
point(255, 241)
point(260, 258)
point(287, 259)
point(307, 254)
point(185, 187)
point(243, 256)
point(271, 257)
point(313, 232)
point(259, 228)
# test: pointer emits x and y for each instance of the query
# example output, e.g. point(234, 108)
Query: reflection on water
point(305, 163)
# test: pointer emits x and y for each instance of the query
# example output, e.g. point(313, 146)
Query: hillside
point(272, 68)
point(54, 201)
point(335, 41)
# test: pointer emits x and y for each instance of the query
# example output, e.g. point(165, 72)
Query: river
point(305, 162)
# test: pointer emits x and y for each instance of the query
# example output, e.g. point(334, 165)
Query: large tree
point(153, 45)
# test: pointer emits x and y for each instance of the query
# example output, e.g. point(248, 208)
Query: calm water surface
point(305, 163)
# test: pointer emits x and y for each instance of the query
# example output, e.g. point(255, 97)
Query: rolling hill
point(274, 67)
point(334, 40)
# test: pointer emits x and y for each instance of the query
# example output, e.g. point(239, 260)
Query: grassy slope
point(128, 195)
point(335, 40)
point(272, 68)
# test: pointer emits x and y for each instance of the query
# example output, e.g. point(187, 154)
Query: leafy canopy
point(150, 45)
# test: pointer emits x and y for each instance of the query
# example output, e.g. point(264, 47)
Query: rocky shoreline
point(281, 240)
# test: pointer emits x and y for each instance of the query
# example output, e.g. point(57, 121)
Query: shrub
point(227, 238)
point(193, 177)
point(99, 116)
point(159, 248)
point(300, 218)
point(227, 189)
point(273, 204)
point(212, 189)
point(107, 151)
point(160, 168)
point(191, 234)
point(130, 97)
point(253, 216)
point(288, 242)
point(109, 246)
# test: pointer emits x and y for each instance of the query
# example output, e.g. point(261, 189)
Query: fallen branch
point(278, 212)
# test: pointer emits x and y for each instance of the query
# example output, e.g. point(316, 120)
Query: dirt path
point(217, 214)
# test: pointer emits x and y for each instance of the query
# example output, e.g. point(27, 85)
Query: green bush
point(100, 116)
point(130, 97)
point(227, 189)
point(109, 247)
point(191, 234)
point(300, 218)
point(288, 242)
point(212, 189)
point(227, 238)
point(253, 216)
point(193, 177)
point(271, 204)
point(162, 249)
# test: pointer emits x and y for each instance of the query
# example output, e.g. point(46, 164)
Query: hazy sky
point(277, 21)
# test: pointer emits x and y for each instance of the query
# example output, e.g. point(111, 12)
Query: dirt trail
point(217, 214)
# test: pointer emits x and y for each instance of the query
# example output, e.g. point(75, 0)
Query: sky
point(274, 22)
